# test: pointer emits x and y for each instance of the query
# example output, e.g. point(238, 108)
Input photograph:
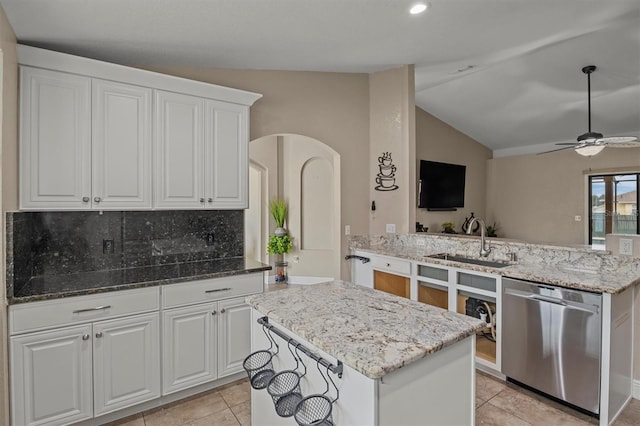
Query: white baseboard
point(636, 389)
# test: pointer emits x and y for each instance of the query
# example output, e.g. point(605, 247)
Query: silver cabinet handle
point(85, 337)
point(213, 312)
point(202, 200)
point(99, 334)
point(85, 199)
point(210, 200)
point(217, 290)
point(223, 311)
point(98, 308)
point(97, 199)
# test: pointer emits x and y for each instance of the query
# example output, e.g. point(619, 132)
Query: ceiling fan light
point(589, 150)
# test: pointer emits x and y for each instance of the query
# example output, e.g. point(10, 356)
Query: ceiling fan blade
point(629, 144)
point(554, 150)
point(616, 140)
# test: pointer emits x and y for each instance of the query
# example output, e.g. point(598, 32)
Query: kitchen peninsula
point(403, 362)
point(448, 272)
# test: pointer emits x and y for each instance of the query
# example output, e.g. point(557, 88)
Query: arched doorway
point(306, 173)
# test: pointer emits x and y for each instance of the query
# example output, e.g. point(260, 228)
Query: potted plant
point(280, 242)
point(492, 230)
point(278, 209)
point(448, 228)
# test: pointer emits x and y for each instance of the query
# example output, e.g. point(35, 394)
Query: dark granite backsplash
point(55, 243)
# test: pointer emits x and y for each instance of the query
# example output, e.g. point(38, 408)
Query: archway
point(306, 173)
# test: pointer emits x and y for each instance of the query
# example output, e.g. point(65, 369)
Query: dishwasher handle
point(564, 303)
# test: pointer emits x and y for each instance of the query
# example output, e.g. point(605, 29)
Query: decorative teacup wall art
point(386, 178)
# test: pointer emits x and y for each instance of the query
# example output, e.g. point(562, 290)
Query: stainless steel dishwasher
point(552, 341)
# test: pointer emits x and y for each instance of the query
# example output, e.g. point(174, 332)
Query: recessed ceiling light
point(417, 8)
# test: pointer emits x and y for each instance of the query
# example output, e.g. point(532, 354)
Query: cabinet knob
point(202, 200)
point(85, 337)
point(388, 265)
point(85, 199)
point(214, 312)
point(97, 199)
point(210, 200)
point(99, 334)
point(223, 310)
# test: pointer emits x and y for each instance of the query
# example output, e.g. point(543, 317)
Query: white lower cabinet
point(79, 358)
point(189, 347)
point(75, 373)
point(126, 362)
point(51, 379)
point(204, 342)
point(234, 325)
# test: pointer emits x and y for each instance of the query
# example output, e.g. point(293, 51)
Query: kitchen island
point(402, 362)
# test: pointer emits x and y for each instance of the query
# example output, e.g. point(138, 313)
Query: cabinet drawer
point(208, 290)
point(80, 309)
point(391, 264)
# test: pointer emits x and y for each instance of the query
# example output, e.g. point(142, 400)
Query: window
point(613, 206)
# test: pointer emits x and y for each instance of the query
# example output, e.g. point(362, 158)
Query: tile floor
point(497, 403)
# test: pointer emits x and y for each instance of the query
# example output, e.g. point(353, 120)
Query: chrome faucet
point(485, 248)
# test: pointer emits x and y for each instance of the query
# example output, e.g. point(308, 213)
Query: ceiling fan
point(591, 143)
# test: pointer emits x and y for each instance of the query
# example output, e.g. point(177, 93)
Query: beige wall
point(391, 115)
point(437, 141)
point(536, 197)
point(9, 181)
point(330, 107)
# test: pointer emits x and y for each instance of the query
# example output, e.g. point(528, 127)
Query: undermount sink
point(453, 258)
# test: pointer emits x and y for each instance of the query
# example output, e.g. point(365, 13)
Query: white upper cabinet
point(85, 143)
point(121, 133)
point(226, 155)
point(102, 136)
point(55, 140)
point(201, 153)
point(179, 149)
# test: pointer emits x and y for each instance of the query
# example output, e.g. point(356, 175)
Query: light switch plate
point(626, 246)
point(391, 228)
point(347, 230)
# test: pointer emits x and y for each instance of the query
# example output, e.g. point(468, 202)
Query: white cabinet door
point(126, 359)
point(179, 151)
point(55, 140)
point(189, 346)
point(361, 273)
point(51, 377)
point(226, 155)
point(121, 133)
point(234, 335)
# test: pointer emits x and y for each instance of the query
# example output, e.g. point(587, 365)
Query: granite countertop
point(371, 331)
point(56, 286)
point(603, 279)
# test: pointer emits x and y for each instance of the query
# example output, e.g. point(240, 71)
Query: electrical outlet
point(577, 218)
point(347, 230)
point(420, 242)
point(107, 247)
point(626, 246)
point(391, 228)
point(210, 238)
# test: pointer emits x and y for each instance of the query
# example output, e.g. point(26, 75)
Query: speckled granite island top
point(371, 331)
point(66, 285)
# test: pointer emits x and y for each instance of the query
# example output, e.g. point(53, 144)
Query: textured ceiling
point(521, 91)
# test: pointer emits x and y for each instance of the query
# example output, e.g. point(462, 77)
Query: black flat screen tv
point(441, 185)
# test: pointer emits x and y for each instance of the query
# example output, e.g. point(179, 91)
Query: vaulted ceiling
point(505, 72)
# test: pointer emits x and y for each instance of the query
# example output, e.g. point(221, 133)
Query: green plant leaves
point(279, 245)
